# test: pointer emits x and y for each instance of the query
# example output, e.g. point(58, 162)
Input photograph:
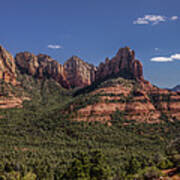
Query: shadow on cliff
point(125, 74)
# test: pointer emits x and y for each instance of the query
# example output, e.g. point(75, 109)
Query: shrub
point(148, 173)
point(134, 166)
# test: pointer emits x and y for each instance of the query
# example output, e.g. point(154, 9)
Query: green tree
point(134, 166)
point(90, 166)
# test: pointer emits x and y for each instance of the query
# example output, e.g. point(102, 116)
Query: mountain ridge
point(77, 73)
point(115, 85)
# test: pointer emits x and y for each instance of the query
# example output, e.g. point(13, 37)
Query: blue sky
point(95, 29)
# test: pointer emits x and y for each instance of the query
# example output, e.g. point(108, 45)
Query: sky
point(96, 29)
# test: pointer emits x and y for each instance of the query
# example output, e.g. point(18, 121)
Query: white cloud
point(161, 59)
point(173, 18)
point(154, 19)
point(166, 59)
point(54, 46)
point(176, 56)
point(141, 21)
point(156, 49)
point(150, 19)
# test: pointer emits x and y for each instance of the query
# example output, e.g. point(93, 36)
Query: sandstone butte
point(147, 103)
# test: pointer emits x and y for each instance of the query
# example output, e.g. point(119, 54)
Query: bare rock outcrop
point(135, 100)
point(78, 72)
point(41, 66)
point(123, 64)
point(7, 67)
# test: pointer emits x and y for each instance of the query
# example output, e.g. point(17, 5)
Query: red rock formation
point(12, 102)
point(137, 70)
point(123, 64)
point(79, 73)
point(28, 62)
point(7, 67)
point(41, 66)
point(139, 101)
point(137, 98)
point(51, 68)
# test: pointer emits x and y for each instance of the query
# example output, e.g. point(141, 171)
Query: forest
point(39, 141)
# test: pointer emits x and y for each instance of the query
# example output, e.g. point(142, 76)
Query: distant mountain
point(176, 88)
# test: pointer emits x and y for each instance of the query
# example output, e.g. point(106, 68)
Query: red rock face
point(27, 62)
point(123, 64)
point(41, 66)
point(7, 67)
point(137, 70)
point(141, 102)
point(74, 73)
point(79, 73)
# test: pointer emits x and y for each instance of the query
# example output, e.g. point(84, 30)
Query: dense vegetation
point(39, 142)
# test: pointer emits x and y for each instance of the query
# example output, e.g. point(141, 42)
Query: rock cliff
point(123, 64)
point(41, 66)
point(79, 73)
point(135, 100)
point(7, 67)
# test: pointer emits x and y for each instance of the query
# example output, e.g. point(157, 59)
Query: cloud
point(162, 59)
point(154, 19)
point(54, 46)
point(156, 49)
point(150, 19)
point(173, 18)
point(141, 21)
point(176, 56)
point(166, 59)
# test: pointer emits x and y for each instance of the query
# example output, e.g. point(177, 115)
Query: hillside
point(40, 137)
point(78, 121)
point(139, 101)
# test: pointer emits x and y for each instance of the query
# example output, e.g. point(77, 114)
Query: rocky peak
point(75, 72)
point(41, 66)
point(126, 53)
point(75, 59)
point(78, 72)
point(123, 64)
point(44, 57)
point(7, 67)
point(27, 62)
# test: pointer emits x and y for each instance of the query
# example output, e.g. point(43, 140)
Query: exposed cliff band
point(7, 67)
point(77, 73)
